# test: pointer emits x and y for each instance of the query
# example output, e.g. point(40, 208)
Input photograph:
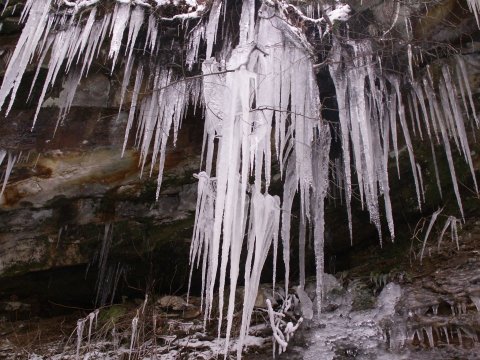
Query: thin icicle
point(459, 123)
point(435, 167)
point(461, 69)
point(430, 226)
point(408, 141)
point(446, 143)
point(410, 60)
point(133, 105)
point(289, 190)
point(474, 6)
point(136, 20)
point(11, 160)
point(420, 178)
point(152, 34)
point(80, 327)
point(445, 227)
point(321, 161)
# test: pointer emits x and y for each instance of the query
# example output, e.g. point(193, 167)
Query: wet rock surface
point(424, 311)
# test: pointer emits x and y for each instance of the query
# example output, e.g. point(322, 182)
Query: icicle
point(67, 95)
point(410, 60)
point(202, 231)
point(412, 117)
point(384, 177)
point(265, 222)
point(80, 327)
point(445, 330)
point(430, 226)
point(446, 143)
point(11, 160)
point(459, 124)
point(136, 20)
point(103, 261)
point(474, 6)
point(211, 30)
point(3, 154)
point(453, 227)
point(26, 46)
point(91, 317)
point(247, 22)
point(119, 23)
point(133, 339)
point(195, 37)
point(152, 34)
point(420, 178)
point(447, 115)
point(429, 332)
point(289, 190)
point(133, 106)
point(320, 160)
point(408, 141)
point(340, 82)
point(301, 248)
point(445, 227)
point(243, 150)
point(82, 41)
point(476, 301)
point(4, 7)
point(413, 103)
point(462, 91)
point(462, 73)
point(435, 167)
point(393, 127)
point(95, 41)
point(418, 90)
point(459, 334)
point(63, 44)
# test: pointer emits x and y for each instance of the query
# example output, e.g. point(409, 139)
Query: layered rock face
point(70, 183)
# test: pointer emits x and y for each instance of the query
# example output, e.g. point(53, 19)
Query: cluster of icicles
point(444, 327)
point(262, 91)
point(371, 105)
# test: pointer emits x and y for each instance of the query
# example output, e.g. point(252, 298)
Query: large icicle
point(320, 162)
point(211, 30)
point(121, 16)
point(264, 227)
point(340, 81)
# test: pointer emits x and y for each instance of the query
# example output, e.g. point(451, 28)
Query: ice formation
point(474, 6)
point(11, 159)
point(261, 108)
point(91, 318)
point(282, 330)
